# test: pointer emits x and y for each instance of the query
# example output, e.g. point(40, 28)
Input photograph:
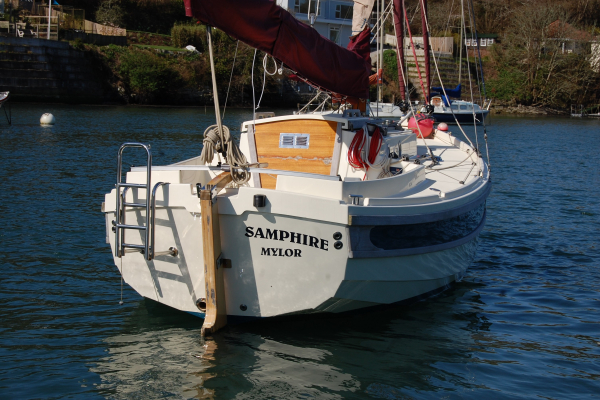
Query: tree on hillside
point(110, 13)
point(533, 66)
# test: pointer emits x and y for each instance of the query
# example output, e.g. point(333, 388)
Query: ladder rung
point(135, 204)
point(134, 246)
point(132, 185)
point(138, 227)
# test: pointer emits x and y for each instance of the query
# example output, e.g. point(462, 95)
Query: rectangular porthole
point(294, 140)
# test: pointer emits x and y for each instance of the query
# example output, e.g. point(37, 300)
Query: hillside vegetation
point(527, 66)
point(149, 74)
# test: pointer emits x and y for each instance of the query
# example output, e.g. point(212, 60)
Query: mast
point(399, 27)
point(360, 15)
point(379, 49)
point(426, 48)
point(462, 24)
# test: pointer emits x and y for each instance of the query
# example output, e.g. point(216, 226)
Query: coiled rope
point(378, 153)
point(214, 142)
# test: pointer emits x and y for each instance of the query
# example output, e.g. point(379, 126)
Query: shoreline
point(495, 109)
point(505, 109)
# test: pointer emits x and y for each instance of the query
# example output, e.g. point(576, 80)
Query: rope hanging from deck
point(213, 142)
point(217, 137)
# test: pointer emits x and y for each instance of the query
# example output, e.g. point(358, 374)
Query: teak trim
point(216, 310)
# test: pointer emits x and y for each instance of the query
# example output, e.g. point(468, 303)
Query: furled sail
point(264, 25)
point(361, 14)
point(399, 28)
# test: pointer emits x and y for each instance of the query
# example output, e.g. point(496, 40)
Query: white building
point(333, 20)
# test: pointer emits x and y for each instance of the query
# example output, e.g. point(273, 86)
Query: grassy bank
point(155, 74)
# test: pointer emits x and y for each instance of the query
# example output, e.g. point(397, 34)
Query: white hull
point(317, 281)
point(460, 111)
point(283, 257)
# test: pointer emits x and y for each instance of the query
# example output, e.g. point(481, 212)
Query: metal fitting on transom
point(355, 199)
point(201, 304)
point(260, 200)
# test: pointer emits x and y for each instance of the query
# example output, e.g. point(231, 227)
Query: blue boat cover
point(449, 92)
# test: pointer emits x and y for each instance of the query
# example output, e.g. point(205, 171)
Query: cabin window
point(463, 107)
point(455, 107)
point(343, 11)
point(334, 34)
point(301, 7)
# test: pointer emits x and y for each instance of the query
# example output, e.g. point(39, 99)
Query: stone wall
point(47, 71)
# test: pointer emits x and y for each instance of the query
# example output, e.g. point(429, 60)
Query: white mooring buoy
point(47, 119)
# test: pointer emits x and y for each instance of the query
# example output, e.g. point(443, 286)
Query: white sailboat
point(330, 213)
point(4, 97)
point(445, 103)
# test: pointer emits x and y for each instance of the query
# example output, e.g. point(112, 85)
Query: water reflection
point(161, 355)
point(397, 353)
point(531, 330)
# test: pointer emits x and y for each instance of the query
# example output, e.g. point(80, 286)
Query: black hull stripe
point(420, 250)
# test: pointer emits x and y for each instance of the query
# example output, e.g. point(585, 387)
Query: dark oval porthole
point(243, 307)
point(337, 236)
point(338, 245)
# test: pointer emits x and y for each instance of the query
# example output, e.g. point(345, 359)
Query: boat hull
point(466, 118)
point(284, 265)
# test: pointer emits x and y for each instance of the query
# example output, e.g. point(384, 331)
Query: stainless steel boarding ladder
point(120, 224)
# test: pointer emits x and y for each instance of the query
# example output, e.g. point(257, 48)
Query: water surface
point(524, 323)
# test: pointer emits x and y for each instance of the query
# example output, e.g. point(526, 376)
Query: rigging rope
point(444, 90)
point(265, 73)
point(230, 77)
point(471, 91)
point(420, 79)
point(487, 151)
point(218, 138)
point(414, 52)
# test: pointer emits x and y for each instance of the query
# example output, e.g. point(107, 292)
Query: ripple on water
point(524, 322)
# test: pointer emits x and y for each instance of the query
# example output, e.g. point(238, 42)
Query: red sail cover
point(264, 25)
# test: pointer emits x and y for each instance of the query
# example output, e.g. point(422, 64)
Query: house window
point(483, 42)
point(467, 42)
point(334, 34)
point(301, 7)
point(343, 11)
point(490, 42)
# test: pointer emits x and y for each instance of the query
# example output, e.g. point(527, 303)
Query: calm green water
point(524, 323)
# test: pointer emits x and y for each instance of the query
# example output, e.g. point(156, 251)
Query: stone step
point(43, 73)
point(41, 58)
point(25, 93)
point(4, 48)
point(43, 66)
point(8, 83)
